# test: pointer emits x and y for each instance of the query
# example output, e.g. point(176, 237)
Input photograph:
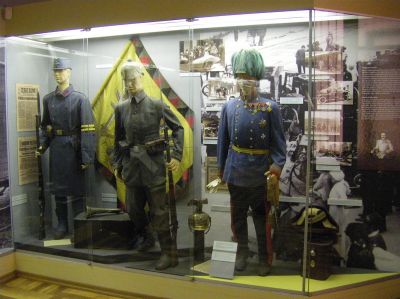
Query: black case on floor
point(103, 231)
point(320, 259)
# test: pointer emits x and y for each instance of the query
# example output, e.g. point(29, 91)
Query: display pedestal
point(103, 231)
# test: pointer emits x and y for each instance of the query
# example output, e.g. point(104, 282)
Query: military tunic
point(256, 127)
point(137, 122)
point(67, 127)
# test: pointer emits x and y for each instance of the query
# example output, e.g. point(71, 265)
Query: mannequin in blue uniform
point(250, 142)
point(67, 128)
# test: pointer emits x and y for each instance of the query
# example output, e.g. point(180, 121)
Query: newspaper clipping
point(27, 97)
point(27, 162)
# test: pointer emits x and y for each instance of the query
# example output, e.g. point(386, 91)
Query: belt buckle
point(59, 132)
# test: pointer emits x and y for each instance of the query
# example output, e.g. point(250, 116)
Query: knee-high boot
point(264, 266)
point(167, 259)
point(62, 217)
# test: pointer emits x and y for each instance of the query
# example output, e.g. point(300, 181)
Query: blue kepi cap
point(62, 64)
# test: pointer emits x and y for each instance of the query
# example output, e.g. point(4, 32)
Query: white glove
point(212, 187)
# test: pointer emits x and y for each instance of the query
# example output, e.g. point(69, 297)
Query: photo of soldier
point(139, 161)
point(68, 129)
point(383, 148)
point(301, 60)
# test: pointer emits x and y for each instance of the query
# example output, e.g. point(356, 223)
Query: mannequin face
point(134, 85)
point(62, 76)
point(248, 86)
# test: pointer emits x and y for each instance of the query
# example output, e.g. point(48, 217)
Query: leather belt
point(250, 151)
point(59, 132)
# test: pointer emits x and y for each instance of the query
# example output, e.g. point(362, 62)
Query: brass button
point(312, 264)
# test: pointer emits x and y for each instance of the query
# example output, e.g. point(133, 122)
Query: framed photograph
point(210, 122)
point(338, 151)
point(222, 88)
point(202, 55)
point(334, 93)
point(327, 62)
point(328, 123)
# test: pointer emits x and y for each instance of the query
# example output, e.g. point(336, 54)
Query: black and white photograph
point(210, 121)
point(293, 177)
point(222, 88)
point(325, 123)
point(339, 151)
point(334, 92)
point(201, 56)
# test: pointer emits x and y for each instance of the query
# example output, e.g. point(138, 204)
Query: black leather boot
point(165, 260)
point(148, 241)
point(263, 268)
point(62, 217)
point(241, 259)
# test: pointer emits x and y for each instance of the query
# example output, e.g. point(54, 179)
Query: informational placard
point(379, 114)
point(27, 97)
point(223, 259)
point(27, 162)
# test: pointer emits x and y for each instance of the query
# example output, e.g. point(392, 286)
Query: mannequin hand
point(173, 165)
point(212, 187)
point(275, 169)
point(39, 151)
point(118, 174)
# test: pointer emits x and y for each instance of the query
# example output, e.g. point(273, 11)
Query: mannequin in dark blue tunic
point(250, 142)
point(68, 129)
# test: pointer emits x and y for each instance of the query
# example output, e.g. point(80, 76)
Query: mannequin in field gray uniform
point(67, 127)
point(139, 159)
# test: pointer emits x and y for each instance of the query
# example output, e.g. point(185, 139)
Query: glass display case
point(87, 171)
point(5, 206)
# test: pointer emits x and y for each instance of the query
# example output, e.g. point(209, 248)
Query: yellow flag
point(103, 104)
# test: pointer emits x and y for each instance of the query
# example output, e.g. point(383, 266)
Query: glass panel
point(236, 139)
point(354, 164)
point(5, 206)
point(327, 82)
point(135, 119)
point(42, 103)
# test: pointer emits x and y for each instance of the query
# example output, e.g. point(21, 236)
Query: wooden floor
point(32, 288)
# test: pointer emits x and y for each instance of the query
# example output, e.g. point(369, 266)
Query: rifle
point(40, 184)
point(173, 220)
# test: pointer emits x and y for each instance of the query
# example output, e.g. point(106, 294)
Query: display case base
point(111, 231)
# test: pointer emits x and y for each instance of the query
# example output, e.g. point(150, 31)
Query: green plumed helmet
point(248, 61)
